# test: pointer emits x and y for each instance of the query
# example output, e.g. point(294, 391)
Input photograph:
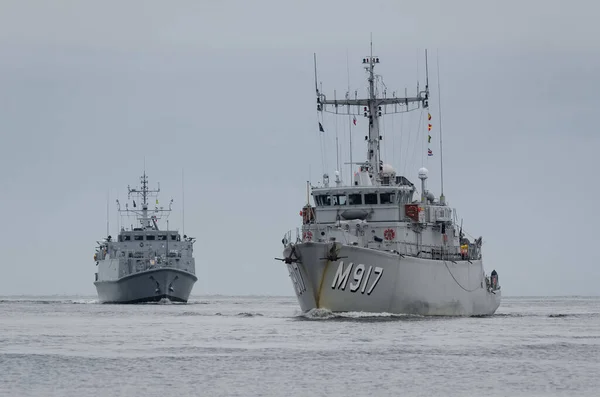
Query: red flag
point(429, 127)
point(428, 116)
point(354, 120)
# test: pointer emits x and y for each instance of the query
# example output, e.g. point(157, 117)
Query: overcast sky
point(225, 91)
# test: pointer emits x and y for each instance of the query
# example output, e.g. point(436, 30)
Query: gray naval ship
point(145, 263)
point(369, 246)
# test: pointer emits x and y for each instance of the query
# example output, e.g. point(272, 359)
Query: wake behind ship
point(145, 263)
point(370, 246)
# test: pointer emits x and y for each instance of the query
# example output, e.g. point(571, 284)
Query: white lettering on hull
point(340, 280)
point(297, 279)
point(341, 277)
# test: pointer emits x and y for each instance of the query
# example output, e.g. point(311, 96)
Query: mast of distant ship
point(145, 192)
point(372, 110)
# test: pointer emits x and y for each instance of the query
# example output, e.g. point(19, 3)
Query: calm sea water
point(263, 346)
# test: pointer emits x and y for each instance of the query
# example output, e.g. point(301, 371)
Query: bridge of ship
point(380, 217)
point(139, 250)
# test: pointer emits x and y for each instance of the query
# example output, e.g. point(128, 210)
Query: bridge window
point(324, 199)
point(371, 198)
point(387, 198)
point(138, 238)
point(354, 199)
point(162, 237)
point(150, 237)
point(126, 237)
point(173, 237)
point(339, 199)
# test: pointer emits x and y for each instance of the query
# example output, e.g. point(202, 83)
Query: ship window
point(162, 237)
point(339, 199)
point(354, 199)
point(126, 237)
point(150, 237)
point(325, 199)
point(138, 238)
point(173, 237)
point(387, 198)
point(371, 198)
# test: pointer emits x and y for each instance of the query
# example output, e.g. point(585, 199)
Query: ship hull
point(360, 279)
point(148, 286)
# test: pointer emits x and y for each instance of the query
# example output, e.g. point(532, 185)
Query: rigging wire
point(413, 160)
point(415, 145)
point(384, 142)
point(337, 147)
point(349, 119)
point(401, 140)
point(321, 143)
point(422, 143)
point(393, 141)
point(407, 145)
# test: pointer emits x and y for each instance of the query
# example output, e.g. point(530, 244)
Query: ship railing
point(287, 238)
point(138, 266)
point(438, 252)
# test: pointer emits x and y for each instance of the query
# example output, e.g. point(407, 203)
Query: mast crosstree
point(372, 109)
point(147, 221)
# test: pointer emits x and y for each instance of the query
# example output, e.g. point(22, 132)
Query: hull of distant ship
point(148, 286)
point(381, 281)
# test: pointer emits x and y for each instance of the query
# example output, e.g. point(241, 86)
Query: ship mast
point(371, 108)
point(145, 191)
point(147, 221)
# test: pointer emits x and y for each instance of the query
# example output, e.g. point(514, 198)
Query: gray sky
point(225, 91)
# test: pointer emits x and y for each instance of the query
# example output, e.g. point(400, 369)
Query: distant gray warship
point(369, 247)
point(145, 264)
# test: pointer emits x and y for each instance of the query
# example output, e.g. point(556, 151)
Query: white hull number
point(360, 280)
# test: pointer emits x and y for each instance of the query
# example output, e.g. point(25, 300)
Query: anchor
point(288, 260)
point(171, 285)
point(157, 290)
point(332, 254)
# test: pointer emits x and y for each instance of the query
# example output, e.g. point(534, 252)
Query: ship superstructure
point(145, 263)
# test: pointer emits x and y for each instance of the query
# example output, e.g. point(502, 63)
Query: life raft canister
point(412, 211)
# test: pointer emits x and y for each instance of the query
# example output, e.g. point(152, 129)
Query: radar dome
point(423, 173)
point(387, 169)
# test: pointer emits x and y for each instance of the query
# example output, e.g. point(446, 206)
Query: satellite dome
point(423, 173)
point(387, 169)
